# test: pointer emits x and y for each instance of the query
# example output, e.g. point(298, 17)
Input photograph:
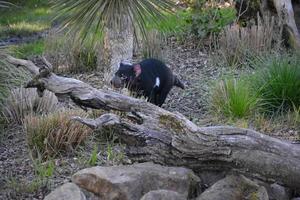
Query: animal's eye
point(123, 77)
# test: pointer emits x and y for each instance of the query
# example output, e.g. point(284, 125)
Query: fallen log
point(154, 134)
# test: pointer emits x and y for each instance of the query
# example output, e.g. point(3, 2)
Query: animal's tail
point(178, 83)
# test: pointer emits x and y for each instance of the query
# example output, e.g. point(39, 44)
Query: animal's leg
point(163, 95)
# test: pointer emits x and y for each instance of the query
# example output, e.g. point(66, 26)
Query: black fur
point(144, 84)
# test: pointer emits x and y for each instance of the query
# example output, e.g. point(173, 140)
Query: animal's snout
point(116, 82)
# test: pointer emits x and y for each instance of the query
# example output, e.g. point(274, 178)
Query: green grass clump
point(28, 49)
point(233, 98)
point(278, 83)
point(272, 88)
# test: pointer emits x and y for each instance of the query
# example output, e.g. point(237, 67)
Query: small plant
point(233, 98)
point(43, 173)
point(278, 83)
point(55, 133)
point(22, 102)
point(114, 156)
point(94, 157)
point(43, 170)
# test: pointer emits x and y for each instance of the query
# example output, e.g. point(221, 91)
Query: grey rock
point(234, 188)
point(66, 192)
point(278, 192)
point(163, 195)
point(208, 178)
point(133, 181)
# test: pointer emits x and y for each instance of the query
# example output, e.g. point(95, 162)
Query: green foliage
point(174, 24)
point(272, 88)
point(43, 170)
point(278, 82)
point(28, 49)
point(210, 20)
point(233, 98)
point(25, 18)
point(94, 157)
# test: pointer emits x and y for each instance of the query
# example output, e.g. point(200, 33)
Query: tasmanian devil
point(150, 78)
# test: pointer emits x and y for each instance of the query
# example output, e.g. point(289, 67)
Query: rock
point(66, 192)
point(133, 181)
point(163, 195)
point(208, 178)
point(296, 198)
point(278, 192)
point(234, 188)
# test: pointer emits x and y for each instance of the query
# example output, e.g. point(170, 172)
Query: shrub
point(237, 45)
point(55, 133)
point(206, 21)
point(233, 98)
point(208, 17)
point(278, 82)
point(22, 102)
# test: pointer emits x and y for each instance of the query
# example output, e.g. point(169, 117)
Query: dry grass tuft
point(152, 47)
point(67, 54)
point(22, 102)
point(237, 45)
point(50, 135)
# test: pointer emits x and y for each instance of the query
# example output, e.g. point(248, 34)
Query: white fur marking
point(157, 82)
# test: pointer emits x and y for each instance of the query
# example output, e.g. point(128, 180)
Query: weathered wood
point(283, 9)
point(154, 134)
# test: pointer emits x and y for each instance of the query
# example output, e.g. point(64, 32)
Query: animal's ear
point(137, 70)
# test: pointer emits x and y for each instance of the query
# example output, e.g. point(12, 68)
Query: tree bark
point(118, 45)
point(285, 10)
point(154, 134)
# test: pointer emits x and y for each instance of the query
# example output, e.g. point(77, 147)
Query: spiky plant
point(4, 4)
point(87, 15)
point(119, 20)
